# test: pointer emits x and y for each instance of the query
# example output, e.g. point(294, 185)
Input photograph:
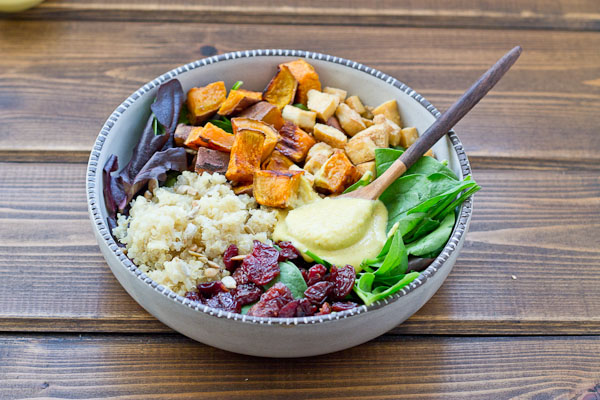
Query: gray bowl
point(272, 337)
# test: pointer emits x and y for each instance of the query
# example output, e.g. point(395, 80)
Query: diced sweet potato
point(365, 167)
point(282, 88)
point(238, 100)
point(355, 104)
point(210, 136)
point(378, 134)
point(304, 119)
point(271, 135)
point(340, 93)
point(323, 104)
point(360, 149)
point(350, 120)
point(182, 131)
point(243, 189)
point(336, 174)
point(276, 188)
point(333, 122)
point(203, 102)
point(277, 162)
point(266, 112)
point(211, 161)
point(390, 110)
point(330, 135)
point(408, 136)
point(316, 157)
point(294, 142)
point(245, 156)
point(307, 79)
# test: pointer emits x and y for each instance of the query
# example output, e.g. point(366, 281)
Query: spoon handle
point(443, 124)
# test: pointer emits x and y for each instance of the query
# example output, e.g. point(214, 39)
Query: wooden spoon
point(439, 128)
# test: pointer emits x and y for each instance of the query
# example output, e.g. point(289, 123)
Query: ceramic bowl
point(272, 337)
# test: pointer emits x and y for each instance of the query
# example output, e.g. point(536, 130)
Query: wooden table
point(519, 315)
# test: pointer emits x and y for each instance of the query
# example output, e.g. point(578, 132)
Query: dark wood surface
point(517, 317)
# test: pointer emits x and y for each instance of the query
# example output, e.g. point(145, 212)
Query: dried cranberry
point(318, 292)
point(343, 306)
point(267, 309)
point(289, 310)
point(262, 265)
point(272, 301)
point(305, 308)
point(288, 251)
point(316, 274)
point(343, 282)
point(241, 276)
point(209, 289)
point(193, 296)
point(304, 273)
point(325, 309)
point(247, 293)
point(230, 264)
point(224, 301)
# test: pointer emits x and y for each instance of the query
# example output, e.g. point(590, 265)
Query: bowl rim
point(98, 217)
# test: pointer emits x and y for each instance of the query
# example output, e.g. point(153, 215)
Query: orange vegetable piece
point(277, 162)
point(270, 134)
point(243, 189)
point(211, 161)
point(307, 79)
point(282, 88)
point(266, 112)
point(210, 136)
point(276, 188)
point(336, 174)
point(294, 143)
point(203, 102)
point(238, 100)
point(245, 155)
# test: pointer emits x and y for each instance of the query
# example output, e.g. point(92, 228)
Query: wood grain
point(55, 85)
point(150, 367)
point(536, 221)
point(531, 14)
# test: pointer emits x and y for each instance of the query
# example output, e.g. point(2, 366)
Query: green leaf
point(384, 158)
point(396, 260)
point(433, 241)
point(237, 85)
point(223, 123)
point(364, 287)
point(183, 116)
point(291, 277)
point(363, 181)
point(317, 259)
point(171, 178)
point(247, 308)
point(301, 106)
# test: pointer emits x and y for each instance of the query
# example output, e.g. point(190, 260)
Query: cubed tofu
point(339, 93)
point(355, 104)
point(245, 156)
point(210, 136)
point(276, 188)
point(392, 129)
point(266, 112)
point(367, 122)
point(323, 104)
point(271, 135)
point(282, 88)
point(360, 149)
point(211, 161)
point(294, 142)
point(429, 153)
point(277, 162)
point(408, 136)
point(365, 167)
point(368, 112)
point(350, 120)
point(307, 79)
point(317, 155)
point(378, 134)
point(330, 135)
point(336, 174)
point(307, 175)
point(203, 102)
point(182, 131)
point(304, 119)
point(390, 110)
point(238, 100)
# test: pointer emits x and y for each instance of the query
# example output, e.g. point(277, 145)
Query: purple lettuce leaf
point(114, 193)
point(169, 100)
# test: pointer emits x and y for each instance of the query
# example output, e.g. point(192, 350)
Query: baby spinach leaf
point(364, 287)
point(291, 277)
point(396, 260)
point(223, 123)
point(317, 259)
point(246, 308)
point(433, 241)
point(301, 106)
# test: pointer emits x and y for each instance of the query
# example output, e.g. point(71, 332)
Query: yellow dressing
point(341, 231)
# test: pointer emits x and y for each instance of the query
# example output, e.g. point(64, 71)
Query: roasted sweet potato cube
point(182, 131)
point(211, 161)
point(264, 111)
point(294, 142)
point(350, 120)
point(390, 110)
point(365, 167)
point(243, 189)
point(307, 79)
point(210, 136)
point(277, 162)
point(271, 135)
point(276, 188)
point(324, 104)
point(238, 100)
point(360, 149)
point(203, 102)
point(408, 136)
point(336, 174)
point(282, 88)
point(330, 135)
point(316, 157)
point(245, 155)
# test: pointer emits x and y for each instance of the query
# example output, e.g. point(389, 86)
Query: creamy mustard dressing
point(341, 231)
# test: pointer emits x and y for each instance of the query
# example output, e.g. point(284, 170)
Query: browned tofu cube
point(408, 136)
point(245, 156)
point(277, 162)
point(365, 167)
point(339, 93)
point(323, 104)
point(355, 104)
point(390, 110)
point(266, 112)
point(378, 134)
point(360, 149)
point(203, 102)
point(276, 188)
point(294, 142)
point(211, 161)
point(336, 174)
point(350, 120)
point(330, 135)
point(302, 118)
point(182, 132)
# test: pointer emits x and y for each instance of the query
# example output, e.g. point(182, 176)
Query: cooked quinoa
point(178, 236)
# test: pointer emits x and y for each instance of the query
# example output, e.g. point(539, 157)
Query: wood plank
point(149, 367)
point(56, 85)
point(539, 222)
point(531, 14)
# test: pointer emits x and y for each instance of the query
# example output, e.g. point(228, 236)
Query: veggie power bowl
point(212, 190)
